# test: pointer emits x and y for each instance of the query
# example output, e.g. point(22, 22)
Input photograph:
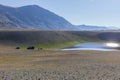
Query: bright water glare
point(109, 46)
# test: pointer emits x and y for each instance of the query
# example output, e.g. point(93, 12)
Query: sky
point(78, 12)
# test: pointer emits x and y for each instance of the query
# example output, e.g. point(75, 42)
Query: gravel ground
point(60, 65)
point(84, 72)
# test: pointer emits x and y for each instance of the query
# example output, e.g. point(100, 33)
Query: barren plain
point(59, 65)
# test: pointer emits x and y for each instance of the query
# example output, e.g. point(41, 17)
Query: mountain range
point(91, 28)
point(35, 17)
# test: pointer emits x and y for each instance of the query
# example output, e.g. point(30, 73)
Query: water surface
point(92, 46)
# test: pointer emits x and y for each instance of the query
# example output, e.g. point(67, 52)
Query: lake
point(95, 46)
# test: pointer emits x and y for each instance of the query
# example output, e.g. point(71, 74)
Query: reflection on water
point(111, 44)
point(95, 46)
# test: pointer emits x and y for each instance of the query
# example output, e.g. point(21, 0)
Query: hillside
point(54, 39)
point(38, 18)
point(31, 17)
point(36, 38)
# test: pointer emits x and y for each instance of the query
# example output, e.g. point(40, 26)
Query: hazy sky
point(89, 12)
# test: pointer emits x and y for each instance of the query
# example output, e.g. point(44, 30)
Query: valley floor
point(59, 65)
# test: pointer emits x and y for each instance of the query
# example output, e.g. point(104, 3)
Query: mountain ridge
point(92, 27)
point(36, 17)
point(33, 17)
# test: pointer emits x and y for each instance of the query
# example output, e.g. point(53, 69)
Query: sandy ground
point(59, 65)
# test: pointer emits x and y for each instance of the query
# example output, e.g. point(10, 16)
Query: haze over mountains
point(35, 17)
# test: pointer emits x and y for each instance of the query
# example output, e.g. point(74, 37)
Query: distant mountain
point(35, 17)
point(91, 28)
point(32, 17)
